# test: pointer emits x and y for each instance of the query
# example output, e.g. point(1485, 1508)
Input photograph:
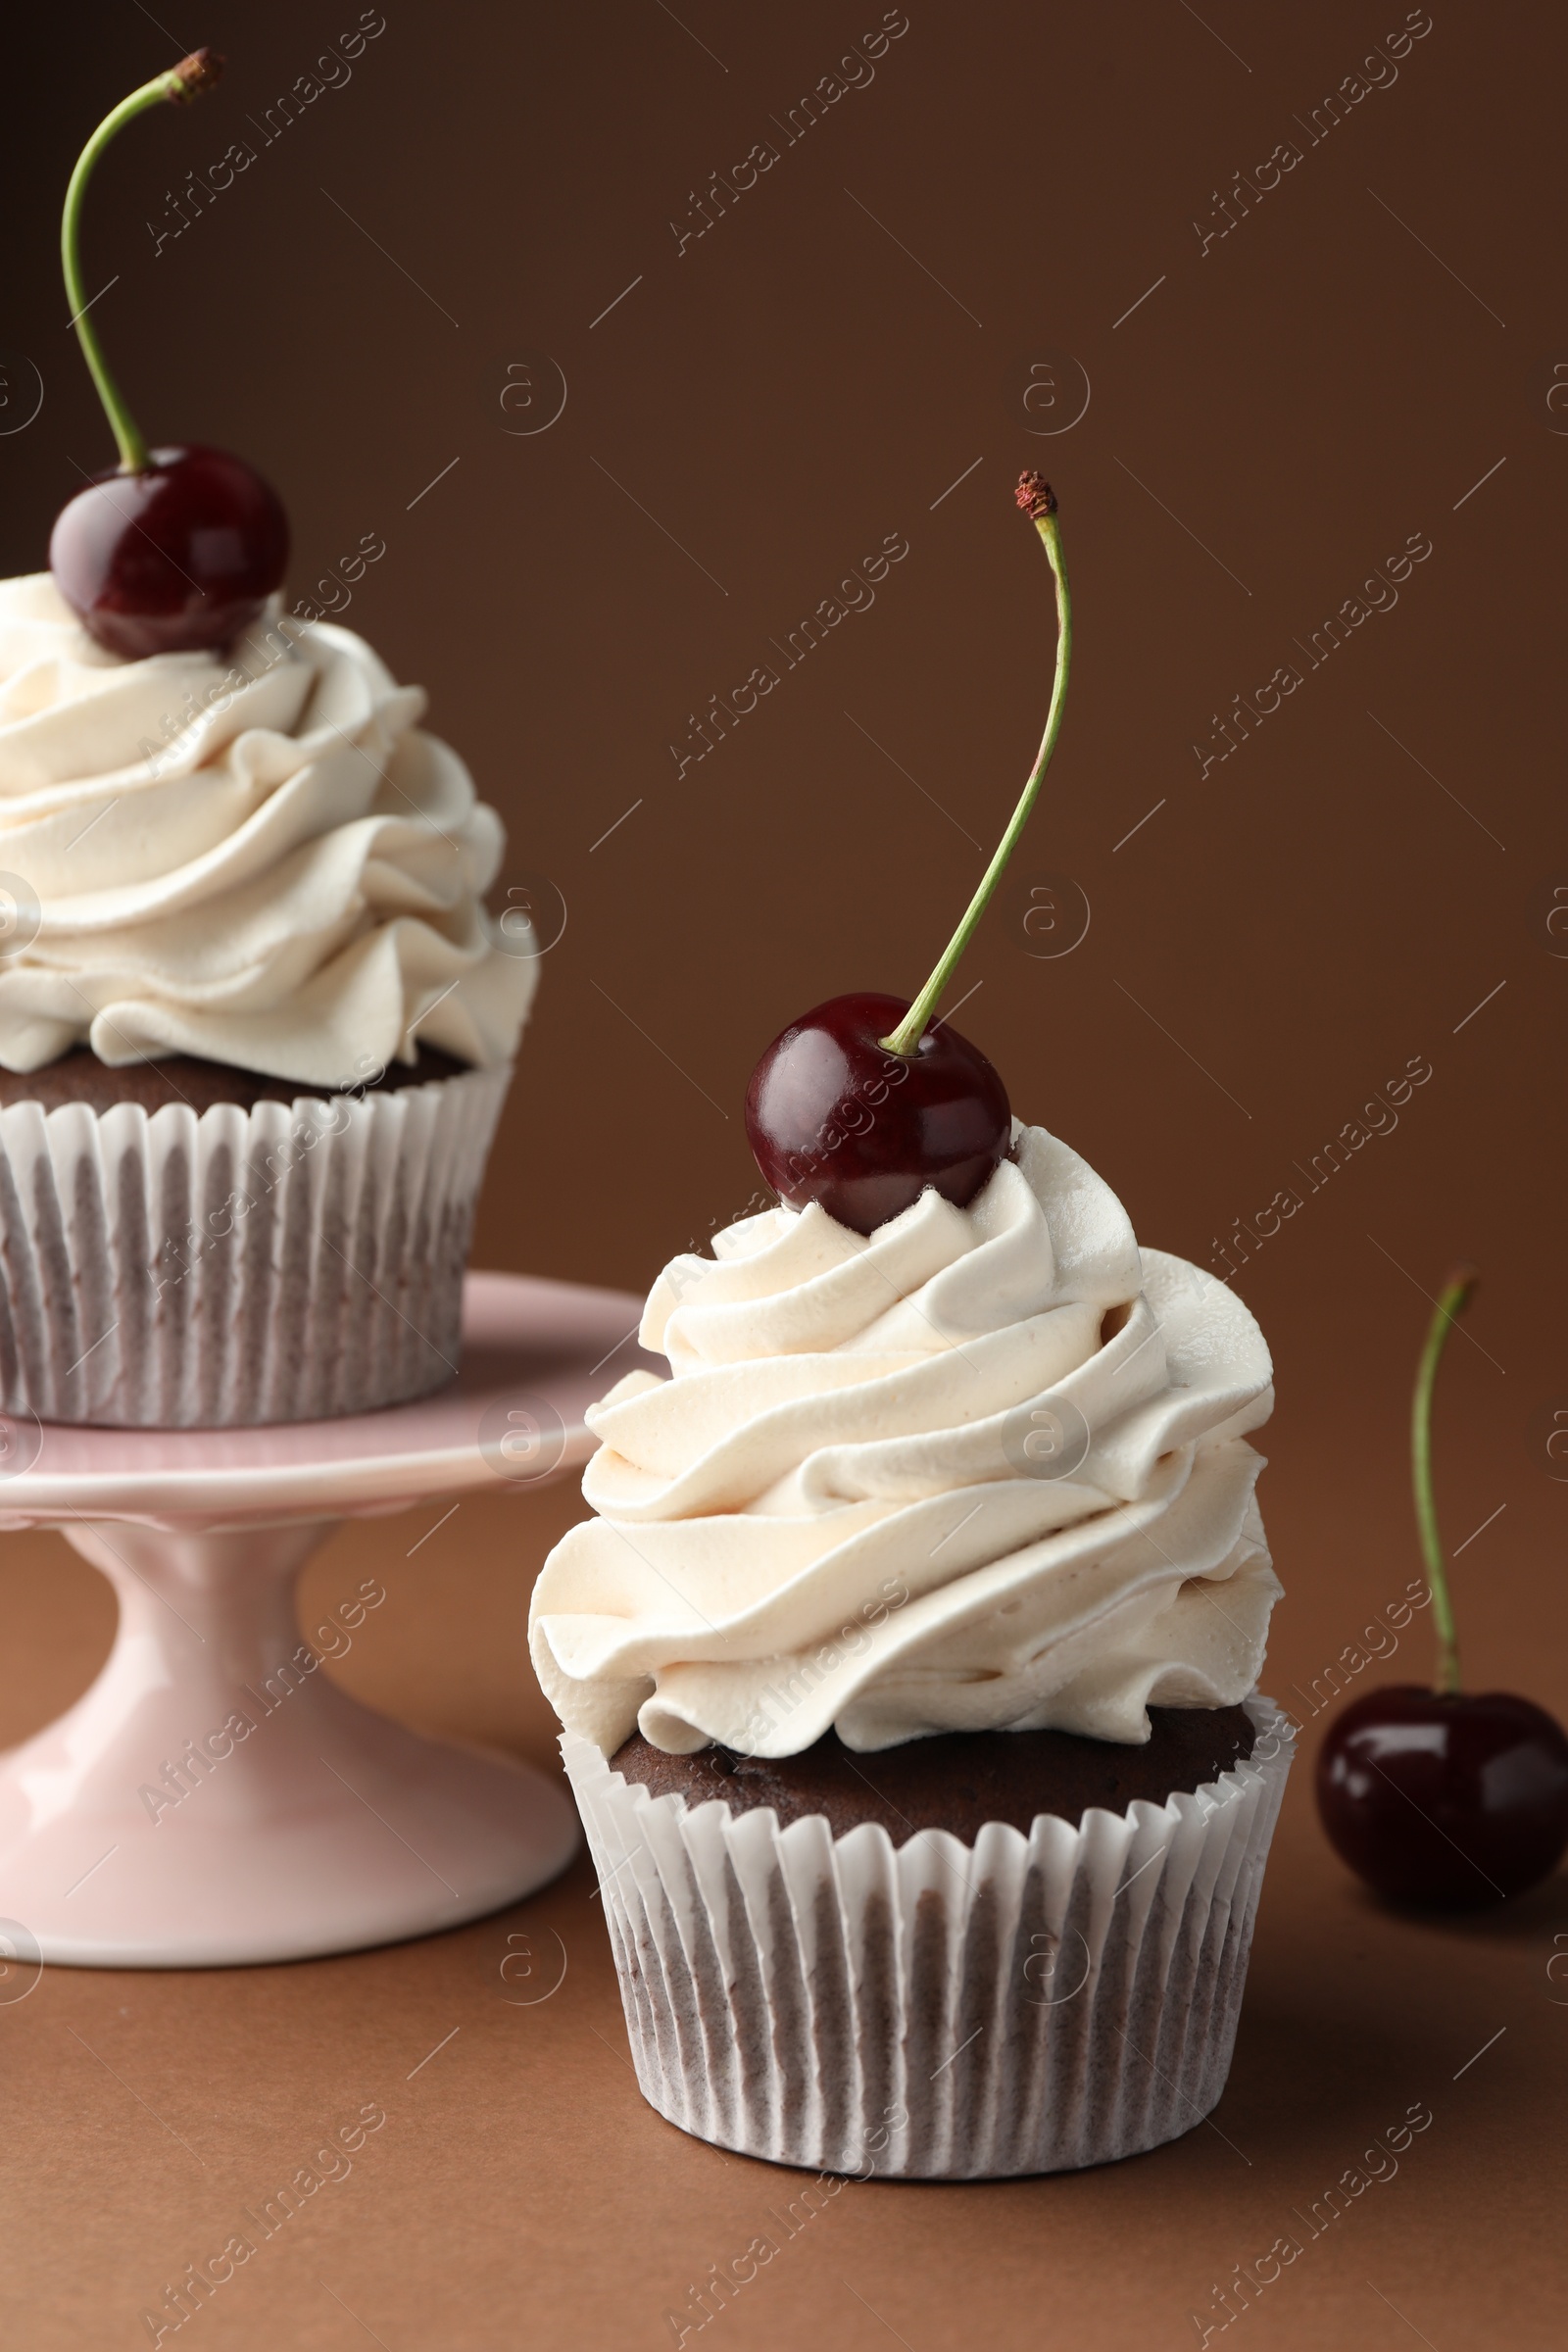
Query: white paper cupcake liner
point(286, 1263)
point(933, 2010)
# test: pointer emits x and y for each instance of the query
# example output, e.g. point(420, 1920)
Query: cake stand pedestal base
point(214, 1798)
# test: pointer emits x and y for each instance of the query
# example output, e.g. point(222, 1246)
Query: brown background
point(1274, 420)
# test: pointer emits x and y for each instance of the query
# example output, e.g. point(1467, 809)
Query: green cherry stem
point(1036, 499)
point(181, 84)
point(1456, 1297)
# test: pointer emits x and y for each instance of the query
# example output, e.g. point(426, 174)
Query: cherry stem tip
point(1035, 496)
point(195, 74)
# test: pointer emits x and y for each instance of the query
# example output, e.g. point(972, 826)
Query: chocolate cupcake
point(256, 1028)
point(909, 1674)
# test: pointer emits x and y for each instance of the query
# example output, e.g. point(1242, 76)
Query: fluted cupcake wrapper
point(282, 1263)
point(933, 2010)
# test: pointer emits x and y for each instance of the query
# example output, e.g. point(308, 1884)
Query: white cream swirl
point(833, 1514)
point(256, 856)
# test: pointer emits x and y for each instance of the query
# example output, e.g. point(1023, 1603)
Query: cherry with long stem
point(863, 1103)
point(1434, 1795)
point(177, 549)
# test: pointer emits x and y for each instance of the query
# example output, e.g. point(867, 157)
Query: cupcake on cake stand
point(256, 1028)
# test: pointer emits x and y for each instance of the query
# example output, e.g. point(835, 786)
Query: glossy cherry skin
point(834, 1117)
point(178, 557)
point(1453, 1801)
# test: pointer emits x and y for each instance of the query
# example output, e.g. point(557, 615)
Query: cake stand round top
point(535, 1356)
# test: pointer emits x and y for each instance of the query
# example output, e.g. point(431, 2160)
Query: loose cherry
point(1443, 1797)
point(1452, 1799)
point(833, 1116)
point(860, 1105)
point(179, 548)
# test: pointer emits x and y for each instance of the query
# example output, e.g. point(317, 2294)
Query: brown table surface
point(520, 2193)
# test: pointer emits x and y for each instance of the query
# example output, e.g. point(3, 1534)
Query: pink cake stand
point(148, 1827)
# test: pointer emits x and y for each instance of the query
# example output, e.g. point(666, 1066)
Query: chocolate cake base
point(81, 1077)
point(954, 1780)
point(1070, 1998)
point(185, 1244)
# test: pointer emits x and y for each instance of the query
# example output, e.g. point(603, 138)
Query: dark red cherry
point(179, 556)
point(1452, 1800)
point(834, 1117)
